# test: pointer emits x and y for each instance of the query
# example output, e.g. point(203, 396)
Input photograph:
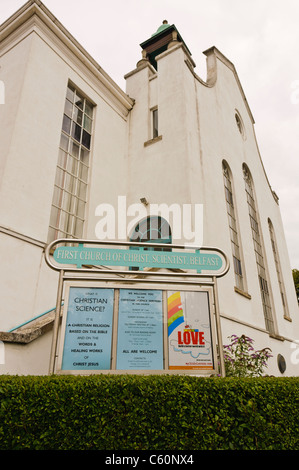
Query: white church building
point(73, 143)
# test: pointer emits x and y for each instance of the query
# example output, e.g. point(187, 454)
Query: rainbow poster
point(189, 331)
point(175, 312)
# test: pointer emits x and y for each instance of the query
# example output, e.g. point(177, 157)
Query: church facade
point(74, 144)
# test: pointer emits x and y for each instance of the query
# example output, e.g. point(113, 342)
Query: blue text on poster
point(88, 331)
point(140, 330)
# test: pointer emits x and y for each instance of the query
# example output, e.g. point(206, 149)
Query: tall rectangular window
point(155, 123)
point(232, 221)
point(259, 252)
point(70, 188)
point(278, 270)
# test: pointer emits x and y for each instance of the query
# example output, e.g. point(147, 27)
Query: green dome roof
point(161, 28)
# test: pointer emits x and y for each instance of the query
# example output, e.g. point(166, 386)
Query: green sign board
point(137, 258)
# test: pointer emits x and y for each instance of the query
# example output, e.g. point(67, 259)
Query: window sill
point(276, 336)
point(241, 292)
point(152, 141)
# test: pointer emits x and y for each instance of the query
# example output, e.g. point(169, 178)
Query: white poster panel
point(140, 330)
point(189, 331)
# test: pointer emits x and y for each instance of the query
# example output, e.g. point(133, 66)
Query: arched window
point(278, 270)
point(152, 229)
point(259, 251)
point(233, 228)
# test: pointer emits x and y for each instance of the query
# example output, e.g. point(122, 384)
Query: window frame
point(278, 270)
point(233, 223)
point(72, 171)
point(147, 224)
point(146, 221)
point(155, 123)
point(260, 254)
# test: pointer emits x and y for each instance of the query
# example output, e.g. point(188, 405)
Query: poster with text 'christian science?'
point(189, 331)
point(88, 331)
point(140, 330)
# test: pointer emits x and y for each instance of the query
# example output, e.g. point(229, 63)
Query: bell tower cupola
point(165, 37)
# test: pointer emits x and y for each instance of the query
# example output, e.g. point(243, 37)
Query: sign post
point(137, 308)
point(140, 258)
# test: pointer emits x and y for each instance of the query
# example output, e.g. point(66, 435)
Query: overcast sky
point(260, 37)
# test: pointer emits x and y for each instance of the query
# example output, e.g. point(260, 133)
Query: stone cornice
point(35, 15)
point(214, 53)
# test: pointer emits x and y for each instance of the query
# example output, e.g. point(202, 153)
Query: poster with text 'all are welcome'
point(140, 330)
point(189, 331)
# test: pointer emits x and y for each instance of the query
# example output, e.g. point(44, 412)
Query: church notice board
point(136, 329)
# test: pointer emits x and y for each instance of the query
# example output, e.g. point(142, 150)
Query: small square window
point(82, 190)
point(78, 115)
point(78, 227)
point(62, 158)
point(79, 101)
point(59, 178)
point(68, 108)
point(66, 124)
point(87, 123)
point(76, 131)
point(84, 156)
point(88, 108)
point(64, 142)
point(57, 196)
point(72, 165)
point(54, 218)
point(70, 93)
point(86, 139)
point(75, 148)
point(83, 172)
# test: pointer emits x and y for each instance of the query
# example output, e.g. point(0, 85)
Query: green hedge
point(126, 412)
